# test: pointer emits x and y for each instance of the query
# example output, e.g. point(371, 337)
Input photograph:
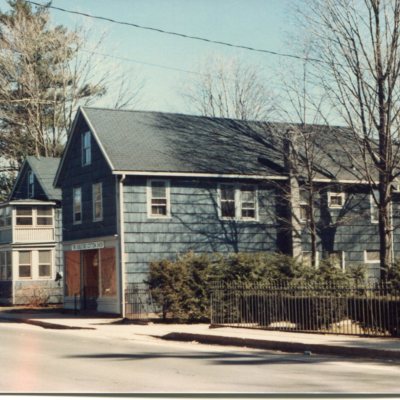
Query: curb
point(290, 347)
point(43, 324)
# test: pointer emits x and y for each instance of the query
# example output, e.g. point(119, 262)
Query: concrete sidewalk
point(365, 347)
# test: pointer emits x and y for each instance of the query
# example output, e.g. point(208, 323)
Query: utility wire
point(96, 53)
point(131, 24)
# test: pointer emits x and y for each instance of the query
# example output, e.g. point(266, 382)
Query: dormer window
point(31, 184)
point(86, 149)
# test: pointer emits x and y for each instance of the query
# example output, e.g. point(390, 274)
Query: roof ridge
point(213, 118)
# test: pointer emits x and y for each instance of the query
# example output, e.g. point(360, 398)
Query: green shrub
point(181, 288)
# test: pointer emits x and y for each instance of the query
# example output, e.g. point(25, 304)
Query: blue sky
point(256, 23)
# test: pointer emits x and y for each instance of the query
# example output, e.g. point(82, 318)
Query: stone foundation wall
point(37, 293)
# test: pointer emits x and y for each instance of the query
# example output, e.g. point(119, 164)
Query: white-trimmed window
point(336, 199)
point(97, 196)
point(158, 198)
point(86, 149)
point(77, 205)
point(248, 202)
point(337, 259)
point(44, 215)
point(24, 216)
point(45, 264)
point(238, 202)
point(31, 185)
point(372, 257)
point(25, 264)
point(228, 201)
point(306, 258)
point(374, 207)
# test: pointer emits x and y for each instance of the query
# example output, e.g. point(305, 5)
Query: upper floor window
point(77, 205)
point(31, 185)
point(158, 192)
point(24, 216)
point(97, 196)
point(86, 149)
point(44, 215)
point(5, 217)
point(228, 201)
point(374, 207)
point(238, 202)
point(336, 200)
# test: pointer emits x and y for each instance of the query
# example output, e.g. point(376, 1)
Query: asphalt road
point(36, 360)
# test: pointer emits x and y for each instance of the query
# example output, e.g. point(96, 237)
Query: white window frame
point(336, 194)
point(373, 206)
point(37, 215)
point(238, 202)
point(25, 278)
point(342, 258)
point(86, 148)
point(94, 201)
point(367, 261)
point(31, 184)
point(39, 263)
point(75, 221)
point(150, 198)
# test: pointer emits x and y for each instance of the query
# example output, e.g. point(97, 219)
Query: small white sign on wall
point(87, 246)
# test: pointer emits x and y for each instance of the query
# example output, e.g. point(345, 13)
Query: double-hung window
point(97, 196)
point(158, 192)
point(45, 264)
point(31, 185)
point(24, 216)
point(248, 205)
point(238, 202)
point(25, 264)
point(86, 149)
point(77, 205)
point(44, 215)
point(228, 201)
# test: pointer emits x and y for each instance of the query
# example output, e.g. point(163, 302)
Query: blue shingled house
point(30, 236)
point(140, 186)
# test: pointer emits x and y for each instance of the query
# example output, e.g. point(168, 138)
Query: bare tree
point(45, 74)
point(357, 42)
point(229, 88)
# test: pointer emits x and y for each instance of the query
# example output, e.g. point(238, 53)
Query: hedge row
point(181, 287)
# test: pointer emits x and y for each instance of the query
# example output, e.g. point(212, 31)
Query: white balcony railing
point(33, 234)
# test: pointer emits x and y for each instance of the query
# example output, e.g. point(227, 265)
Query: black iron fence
point(368, 309)
point(138, 302)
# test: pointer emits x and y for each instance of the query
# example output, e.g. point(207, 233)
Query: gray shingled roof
point(162, 142)
point(45, 169)
point(165, 142)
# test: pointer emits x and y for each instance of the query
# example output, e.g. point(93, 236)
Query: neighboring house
point(30, 237)
point(141, 186)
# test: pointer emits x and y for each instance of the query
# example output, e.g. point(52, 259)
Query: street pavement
point(112, 359)
point(341, 345)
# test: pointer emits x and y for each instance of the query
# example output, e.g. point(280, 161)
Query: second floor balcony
point(27, 222)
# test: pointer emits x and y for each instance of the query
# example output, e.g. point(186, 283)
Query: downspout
point(122, 240)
